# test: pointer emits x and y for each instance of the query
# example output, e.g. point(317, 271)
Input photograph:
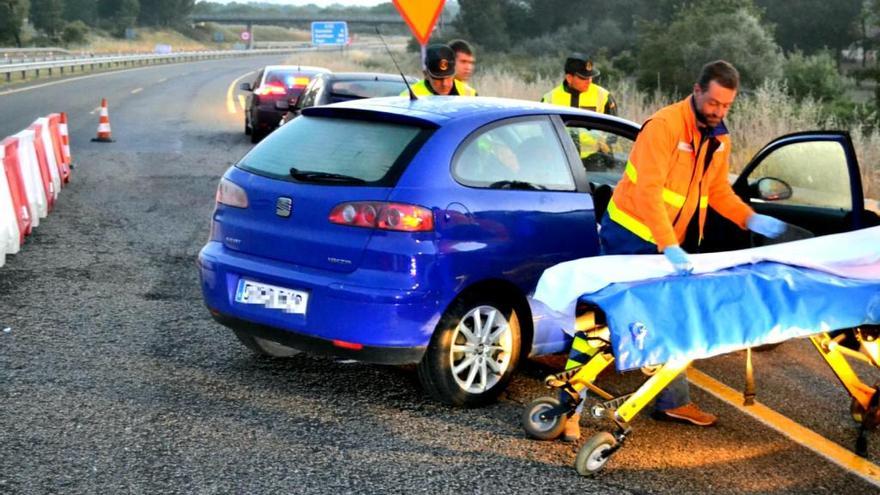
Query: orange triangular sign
point(420, 15)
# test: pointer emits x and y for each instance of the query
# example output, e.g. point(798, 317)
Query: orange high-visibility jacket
point(664, 182)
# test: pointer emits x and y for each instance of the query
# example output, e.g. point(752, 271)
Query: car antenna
point(412, 96)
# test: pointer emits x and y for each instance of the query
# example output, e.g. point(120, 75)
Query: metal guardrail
point(144, 59)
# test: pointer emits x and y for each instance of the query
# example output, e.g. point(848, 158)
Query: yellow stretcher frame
point(544, 418)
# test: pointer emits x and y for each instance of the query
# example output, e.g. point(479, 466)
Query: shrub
point(74, 33)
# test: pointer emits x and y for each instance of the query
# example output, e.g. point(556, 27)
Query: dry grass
point(756, 118)
point(146, 42)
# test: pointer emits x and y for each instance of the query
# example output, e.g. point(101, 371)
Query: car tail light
point(231, 194)
point(272, 88)
point(385, 216)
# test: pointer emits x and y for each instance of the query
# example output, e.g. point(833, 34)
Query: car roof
point(446, 110)
point(366, 76)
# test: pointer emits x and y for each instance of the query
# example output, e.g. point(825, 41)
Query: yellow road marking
point(844, 458)
point(136, 91)
point(241, 101)
point(230, 103)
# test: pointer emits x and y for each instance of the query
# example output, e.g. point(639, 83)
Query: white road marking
point(62, 81)
point(805, 437)
point(136, 91)
point(163, 79)
point(230, 103)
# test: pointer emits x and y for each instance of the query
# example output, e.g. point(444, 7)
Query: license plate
point(271, 296)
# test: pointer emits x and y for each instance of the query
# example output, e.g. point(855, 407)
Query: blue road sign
point(329, 33)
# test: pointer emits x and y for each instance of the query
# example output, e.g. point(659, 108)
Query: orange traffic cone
point(103, 124)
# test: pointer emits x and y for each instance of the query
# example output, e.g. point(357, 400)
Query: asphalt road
point(114, 379)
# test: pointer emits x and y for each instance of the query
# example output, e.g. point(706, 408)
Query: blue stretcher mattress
point(733, 300)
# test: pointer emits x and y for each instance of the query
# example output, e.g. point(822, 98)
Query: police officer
point(440, 75)
point(578, 90)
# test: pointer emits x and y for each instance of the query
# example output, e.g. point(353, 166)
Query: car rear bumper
point(344, 315)
point(313, 345)
point(268, 118)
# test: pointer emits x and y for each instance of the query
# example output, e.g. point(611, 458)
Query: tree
point(81, 10)
point(482, 22)
point(164, 12)
point(12, 16)
point(672, 54)
point(47, 15)
point(118, 15)
point(811, 25)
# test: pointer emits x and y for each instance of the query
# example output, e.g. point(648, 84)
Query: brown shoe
point(572, 431)
point(688, 413)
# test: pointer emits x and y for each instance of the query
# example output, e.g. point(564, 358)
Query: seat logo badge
point(283, 207)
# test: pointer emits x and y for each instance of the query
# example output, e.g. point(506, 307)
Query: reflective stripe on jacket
point(422, 88)
point(595, 98)
point(665, 183)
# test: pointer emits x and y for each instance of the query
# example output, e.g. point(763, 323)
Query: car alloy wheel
point(481, 349)
point(473, 352)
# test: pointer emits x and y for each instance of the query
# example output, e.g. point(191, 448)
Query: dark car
point(274, 83)
point(395, 231)
point(344, 86)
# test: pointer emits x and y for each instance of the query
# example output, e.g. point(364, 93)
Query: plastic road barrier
point(31, 177)
point(44, 141)
point(17, 190)
point(9, 234)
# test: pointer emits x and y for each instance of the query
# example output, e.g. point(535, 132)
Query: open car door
point(810, 180)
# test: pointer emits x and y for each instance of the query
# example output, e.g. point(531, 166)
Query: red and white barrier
point(9, 233)
point(34, 165)
point(34, 186)
point(58, 146)
point(46, 149)
point(17, 191)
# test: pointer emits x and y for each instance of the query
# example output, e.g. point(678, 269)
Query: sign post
point(332, 33)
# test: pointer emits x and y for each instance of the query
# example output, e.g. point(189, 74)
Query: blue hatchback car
point(395, 231)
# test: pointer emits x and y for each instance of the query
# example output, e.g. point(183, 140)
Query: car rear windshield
point(366, 151)
point(289, 78)
point(366, 89)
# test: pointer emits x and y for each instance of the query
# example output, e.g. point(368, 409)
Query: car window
point(816, 171)
point(603, 154)
point(523, 151)
point(360, 149)
point(346, 90)
point(309, 98)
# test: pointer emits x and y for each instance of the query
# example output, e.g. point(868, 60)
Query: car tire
point(256, 136)
point(247, 128)
point(473, 352)
point(264, 347)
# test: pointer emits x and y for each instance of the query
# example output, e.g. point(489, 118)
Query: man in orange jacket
point(678, 167)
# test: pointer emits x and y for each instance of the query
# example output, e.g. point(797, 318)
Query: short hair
point(461, 46)
point(720, 71)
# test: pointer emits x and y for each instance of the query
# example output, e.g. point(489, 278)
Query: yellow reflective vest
point(596, 98)
point(459, 88)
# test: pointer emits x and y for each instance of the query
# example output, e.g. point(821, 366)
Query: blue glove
point(766, 226)
point(679, 259)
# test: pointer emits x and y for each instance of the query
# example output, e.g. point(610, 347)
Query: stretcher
point(806, 290)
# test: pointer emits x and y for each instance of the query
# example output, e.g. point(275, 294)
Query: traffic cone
point(103, 124)
point(65, 141)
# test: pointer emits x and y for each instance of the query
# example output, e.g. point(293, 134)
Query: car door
point(810, 180)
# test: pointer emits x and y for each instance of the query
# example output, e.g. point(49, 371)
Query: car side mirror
point(770, 189)
point(282, 105)
point(245, 86)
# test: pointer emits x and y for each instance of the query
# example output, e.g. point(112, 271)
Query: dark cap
point(440, 61)
point(580, 65)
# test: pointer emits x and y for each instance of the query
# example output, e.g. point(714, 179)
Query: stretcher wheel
point(542, 429)
point(594, 454)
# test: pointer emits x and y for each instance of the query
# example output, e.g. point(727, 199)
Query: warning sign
point(420, 15)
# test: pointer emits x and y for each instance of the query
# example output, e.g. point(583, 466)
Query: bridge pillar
point(250, 30)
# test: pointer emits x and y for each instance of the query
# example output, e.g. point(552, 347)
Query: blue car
point(414, 232)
